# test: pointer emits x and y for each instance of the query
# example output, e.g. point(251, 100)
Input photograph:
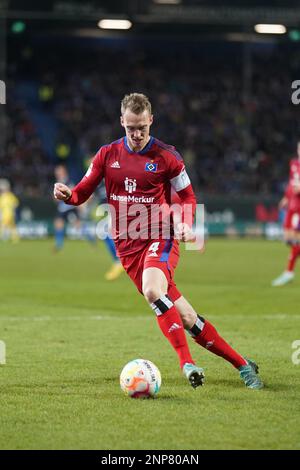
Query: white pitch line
point(72, 318)
point(125, 317)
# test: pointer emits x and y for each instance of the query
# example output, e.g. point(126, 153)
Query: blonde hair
point(136, 102)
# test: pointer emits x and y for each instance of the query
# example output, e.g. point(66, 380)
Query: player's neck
point(140, 149)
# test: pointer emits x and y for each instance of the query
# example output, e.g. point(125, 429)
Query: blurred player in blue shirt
point(116, 269)
point(64, 213)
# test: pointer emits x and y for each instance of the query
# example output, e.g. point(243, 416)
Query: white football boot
point(284, 278)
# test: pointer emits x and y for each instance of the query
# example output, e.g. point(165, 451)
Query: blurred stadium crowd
point(230, 115)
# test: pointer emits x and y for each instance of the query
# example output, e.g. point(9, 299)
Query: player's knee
point(151, 293)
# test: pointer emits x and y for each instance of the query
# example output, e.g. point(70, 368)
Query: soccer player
point(65, 212)
point(116, 268)
point(8, 205)
point(291, 202)
point(138, 168)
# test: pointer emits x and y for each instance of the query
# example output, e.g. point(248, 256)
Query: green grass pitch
point(68, 334)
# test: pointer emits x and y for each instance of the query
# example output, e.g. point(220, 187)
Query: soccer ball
point(140, 379)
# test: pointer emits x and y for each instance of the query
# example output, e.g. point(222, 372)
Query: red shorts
point(162, 254)
point(292, 220)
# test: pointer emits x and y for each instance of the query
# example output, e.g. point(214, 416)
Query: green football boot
point(249, 374)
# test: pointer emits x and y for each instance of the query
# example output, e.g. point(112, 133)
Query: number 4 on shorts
point(154, 247)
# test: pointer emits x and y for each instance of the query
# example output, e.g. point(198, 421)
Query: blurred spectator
point(25, 162)
point(234, 142)
point(8, 206)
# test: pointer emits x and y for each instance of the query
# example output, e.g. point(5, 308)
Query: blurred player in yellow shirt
point(8, 204)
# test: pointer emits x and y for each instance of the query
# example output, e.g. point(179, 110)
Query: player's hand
point(62, 192)
point(184, 233)
point(283, 203)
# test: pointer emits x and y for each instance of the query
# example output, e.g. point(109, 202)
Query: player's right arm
point(288, 194)
point(84, 189)
point(283, 203)
point(62, 192)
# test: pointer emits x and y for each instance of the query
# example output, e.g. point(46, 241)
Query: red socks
point(171, 326)
point(203, 332)
point(211, 340)
point(295, 252)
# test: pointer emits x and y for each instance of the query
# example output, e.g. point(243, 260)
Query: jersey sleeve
point(177, 174)
point(181, 183)
point(85, 188)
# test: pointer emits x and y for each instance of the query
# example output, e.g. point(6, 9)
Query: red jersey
point(136, 178)
point(294, 180)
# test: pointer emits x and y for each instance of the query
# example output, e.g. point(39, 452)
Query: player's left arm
point(181, 183)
